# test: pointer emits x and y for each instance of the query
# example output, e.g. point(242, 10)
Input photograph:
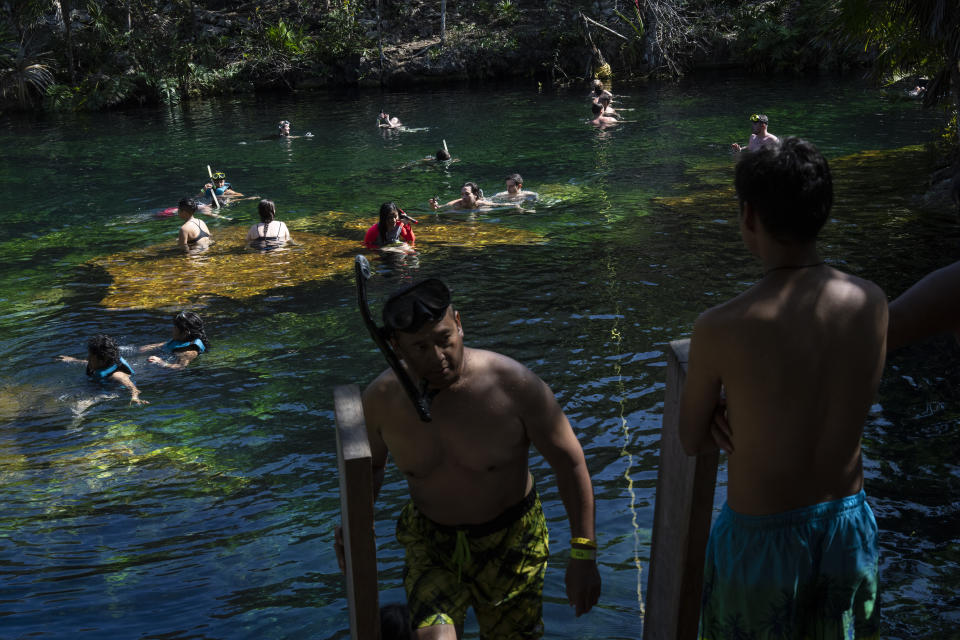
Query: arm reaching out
point(125, 380)
point(183, 359)
point(929, 307)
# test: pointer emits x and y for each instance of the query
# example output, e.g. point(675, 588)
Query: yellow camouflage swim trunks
point(496, 567)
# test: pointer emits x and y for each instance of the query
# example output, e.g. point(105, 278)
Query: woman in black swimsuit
point(269, 232)
point(194, 233)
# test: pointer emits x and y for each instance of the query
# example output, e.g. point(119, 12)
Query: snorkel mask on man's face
point(410, 308)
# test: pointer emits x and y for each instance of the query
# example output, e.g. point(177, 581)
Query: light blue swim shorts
point(805, 573)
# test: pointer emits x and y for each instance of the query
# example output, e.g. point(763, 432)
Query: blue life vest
point(219, 190)
point(174, 346)
point(102, 374)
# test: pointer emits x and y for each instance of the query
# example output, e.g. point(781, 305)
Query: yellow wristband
point(586, 542)
point(583, 554)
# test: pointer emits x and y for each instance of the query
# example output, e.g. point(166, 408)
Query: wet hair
point(442, 155)
point(789, 186)
point(597, 86)
point(516, 178)
point(190, 324)
point(267, 210)
point(188, 203)
point(596, 108)
point(395, 622)
point(474, 188)
point(386, 215)
point(104, 347)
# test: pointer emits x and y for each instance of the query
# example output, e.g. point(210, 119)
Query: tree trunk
point(380, 41)
point(955, 89)
point(66, 10)
point(443, 22)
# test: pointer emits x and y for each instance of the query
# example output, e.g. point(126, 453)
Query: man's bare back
point(469, 463)
point(800, 356)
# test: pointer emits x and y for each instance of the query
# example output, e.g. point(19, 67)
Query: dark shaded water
point(209, 513)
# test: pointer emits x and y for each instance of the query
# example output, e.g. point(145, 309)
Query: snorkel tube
point(213, 189)
point(421, 401)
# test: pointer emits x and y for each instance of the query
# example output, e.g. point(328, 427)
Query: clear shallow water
point(209, 513)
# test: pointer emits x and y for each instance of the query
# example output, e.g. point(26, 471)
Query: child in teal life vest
point(104, 363)
point(189, 341)
point(220, 187)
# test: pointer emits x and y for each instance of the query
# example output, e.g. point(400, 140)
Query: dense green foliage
point(92, 54)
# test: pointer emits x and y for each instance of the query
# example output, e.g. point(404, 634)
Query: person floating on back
point(270, 232)
point(759, 136)
point(104, 363)
point(799, 356)
point(393, 227)
point(189, 341)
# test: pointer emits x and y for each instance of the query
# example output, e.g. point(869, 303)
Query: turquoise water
point(209, 513)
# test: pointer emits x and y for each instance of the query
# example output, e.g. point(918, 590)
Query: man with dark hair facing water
point(799, 357)
point(474, 531)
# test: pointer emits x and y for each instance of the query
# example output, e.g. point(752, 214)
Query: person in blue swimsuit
point(189, 341)
point(104, 363)
point(194, 233)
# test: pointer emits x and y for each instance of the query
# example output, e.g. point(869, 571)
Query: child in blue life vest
point(104, 362)
point(220, 187)
point(189, 341)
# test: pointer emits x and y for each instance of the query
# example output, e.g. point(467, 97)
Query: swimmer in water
point(283, 131)
point(599, 119)
point(194, 233)
point(759, 136)
point(605, 101)
point(442, 157)
point(104, 363)
point(189, 341)
point(471, 197)
point(220, 187)
point(393, 226)
point(386, 122)
point(270, 232)
point(515, 192)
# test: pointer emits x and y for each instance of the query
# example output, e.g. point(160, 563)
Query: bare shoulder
point(382, 388)
point(853, 293)
point(503, 368)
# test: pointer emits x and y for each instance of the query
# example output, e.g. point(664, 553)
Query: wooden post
point(681, 520)
point(356, 513)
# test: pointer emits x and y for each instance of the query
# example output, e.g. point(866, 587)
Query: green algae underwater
point(211, 510)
